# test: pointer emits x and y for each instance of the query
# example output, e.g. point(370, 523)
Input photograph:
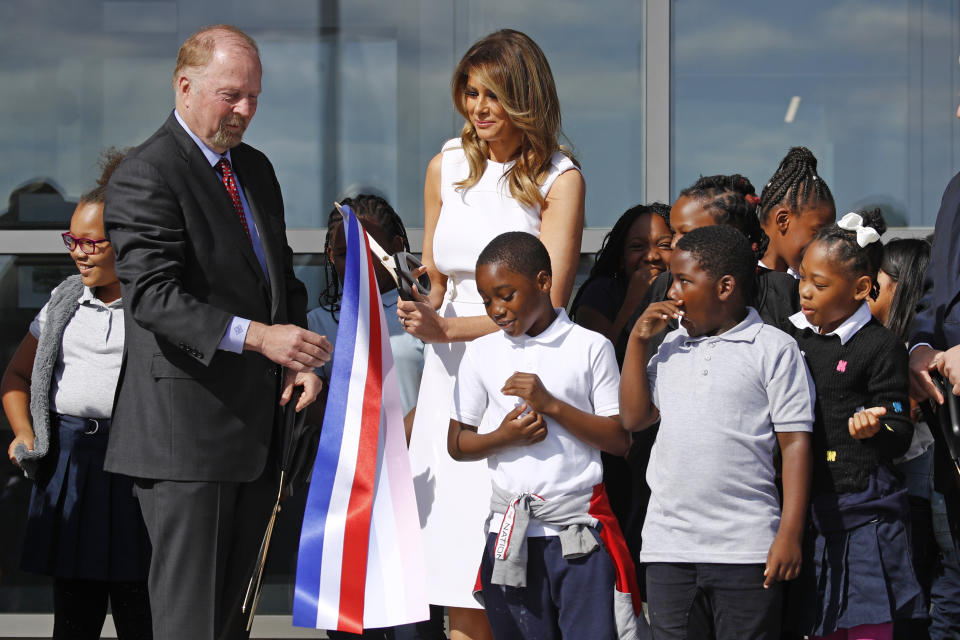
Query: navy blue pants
point(563, 598)
point(689, 601)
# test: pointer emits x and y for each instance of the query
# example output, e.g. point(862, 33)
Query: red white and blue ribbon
point(360, 563)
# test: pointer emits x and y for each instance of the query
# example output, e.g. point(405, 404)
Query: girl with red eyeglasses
point(84, 528)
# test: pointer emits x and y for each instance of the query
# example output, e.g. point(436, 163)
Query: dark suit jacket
point(938, 321)
point(185, 410)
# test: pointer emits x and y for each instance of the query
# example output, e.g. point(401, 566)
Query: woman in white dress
point(506, 172)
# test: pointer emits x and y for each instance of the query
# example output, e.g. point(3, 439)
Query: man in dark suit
point(214, 343)
point(935, 332)
point(935, 346)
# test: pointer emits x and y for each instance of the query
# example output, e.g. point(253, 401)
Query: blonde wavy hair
point(514, 68)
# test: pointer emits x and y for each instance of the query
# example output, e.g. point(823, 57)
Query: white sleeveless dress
point(454, 497)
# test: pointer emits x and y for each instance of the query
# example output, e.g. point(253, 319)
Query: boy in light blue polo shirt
point(727, 389)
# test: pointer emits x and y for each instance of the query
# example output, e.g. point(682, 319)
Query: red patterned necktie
point(231, 184)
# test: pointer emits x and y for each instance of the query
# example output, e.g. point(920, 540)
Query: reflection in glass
point(870, 82)
point(354, 93)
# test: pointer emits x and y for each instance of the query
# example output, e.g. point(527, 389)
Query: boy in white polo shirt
point(550, 389)
point(727, 389)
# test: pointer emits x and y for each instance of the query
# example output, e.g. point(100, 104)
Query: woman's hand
point(26, 440)
point(420, 319)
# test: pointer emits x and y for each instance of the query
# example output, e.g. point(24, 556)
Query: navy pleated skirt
point(84, 522)
point(856, 562)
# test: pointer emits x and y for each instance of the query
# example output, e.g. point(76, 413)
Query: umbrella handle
point(252, 597)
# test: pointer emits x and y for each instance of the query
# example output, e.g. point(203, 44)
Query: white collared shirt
point(88, 365)
point(847, 329)
point(575, 365)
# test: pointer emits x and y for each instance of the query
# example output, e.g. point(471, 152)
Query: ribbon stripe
point(360, 538)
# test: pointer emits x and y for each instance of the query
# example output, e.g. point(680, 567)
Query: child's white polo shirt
point(577, 366)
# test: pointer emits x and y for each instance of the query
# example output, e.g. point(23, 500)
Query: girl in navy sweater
point(857, 577)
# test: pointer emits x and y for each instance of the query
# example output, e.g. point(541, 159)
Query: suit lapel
point(220, 208)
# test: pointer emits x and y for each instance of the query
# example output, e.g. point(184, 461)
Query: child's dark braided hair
point(794, 183)
point(861, 261)
point(366, 207)
point(733, 201)
point(608, 258)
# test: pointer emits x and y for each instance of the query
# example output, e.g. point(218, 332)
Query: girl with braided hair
point(720, 199)
point(793, 206)
point(385, 226)
point(856, 578)
point(728, 200)
point(632, 255)
point(383, 223)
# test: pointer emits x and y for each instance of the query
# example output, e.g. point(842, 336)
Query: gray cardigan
point(63, 304)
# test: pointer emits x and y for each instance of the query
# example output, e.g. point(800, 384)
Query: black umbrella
point(948, 419)
point(944, 423)
point(298, 439)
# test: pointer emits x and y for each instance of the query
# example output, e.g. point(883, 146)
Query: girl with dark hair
point(379, 220)
point(900, 286)
point(900, 283)
point(505, 172)
point(635, 252)
point(720, 199)
point(632, 255)
point(728, 200)
point(84, 527)
point(856, 577)
point(793, 206)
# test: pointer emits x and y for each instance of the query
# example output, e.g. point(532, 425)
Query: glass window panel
point(876, 82)
point(356, 97)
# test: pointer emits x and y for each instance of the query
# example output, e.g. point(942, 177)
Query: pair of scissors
point(400, 265)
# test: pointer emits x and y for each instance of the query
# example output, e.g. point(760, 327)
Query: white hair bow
point(854, 222)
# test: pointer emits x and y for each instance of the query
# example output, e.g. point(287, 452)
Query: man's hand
point(655, 319)
point(923, 360)
point(310, 382)
point(289, 345)
point(518, 430)
point(783, 560)
point(529, 388)
point(25, 440)
point(865, 424)
point(948, 364)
